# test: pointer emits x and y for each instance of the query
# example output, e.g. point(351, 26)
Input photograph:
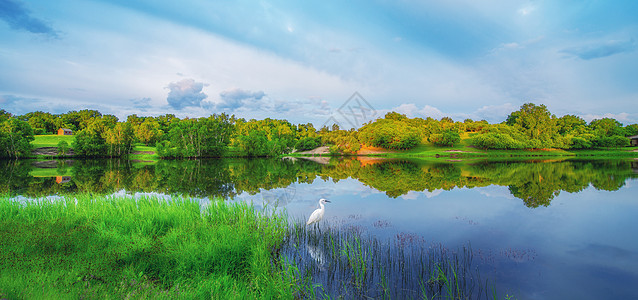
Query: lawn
point(51, 140)
point(144, 153)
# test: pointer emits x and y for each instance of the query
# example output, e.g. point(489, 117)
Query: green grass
point(51, 140)
point(99, 247)
point(144, 157)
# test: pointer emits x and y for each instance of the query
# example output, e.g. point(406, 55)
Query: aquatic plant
point(344, 263)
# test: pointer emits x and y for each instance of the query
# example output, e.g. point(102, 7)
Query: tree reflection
point(537, 183)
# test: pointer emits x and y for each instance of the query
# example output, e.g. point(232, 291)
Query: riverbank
point(89, 246)
point(125, 246)
point(46, 148)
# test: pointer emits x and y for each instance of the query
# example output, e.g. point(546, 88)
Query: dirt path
point(320, 150)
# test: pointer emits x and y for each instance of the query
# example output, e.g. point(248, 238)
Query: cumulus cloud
point(620, 117)
point(185, 93)
point(19, 18)
point(235, 98)
point(602, 49)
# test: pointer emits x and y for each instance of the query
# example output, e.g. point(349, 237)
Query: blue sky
point(302, 60)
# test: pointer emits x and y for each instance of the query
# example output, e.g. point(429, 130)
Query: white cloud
point(185, 92)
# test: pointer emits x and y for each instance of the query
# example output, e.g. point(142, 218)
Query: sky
point(321, 61)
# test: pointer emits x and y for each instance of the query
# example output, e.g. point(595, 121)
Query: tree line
point(97, 135)
point(537, 184)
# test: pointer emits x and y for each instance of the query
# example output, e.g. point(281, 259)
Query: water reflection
point(537, 183)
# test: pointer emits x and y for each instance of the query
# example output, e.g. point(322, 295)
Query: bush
point(446, 138)
point(307, 143)
point(63, 148)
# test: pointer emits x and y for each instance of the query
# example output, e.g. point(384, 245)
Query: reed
point(343, 263)
point(88, 246)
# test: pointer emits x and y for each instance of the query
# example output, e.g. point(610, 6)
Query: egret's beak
point(327, 201)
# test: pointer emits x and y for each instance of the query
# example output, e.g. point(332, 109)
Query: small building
point(65, 131)
point(634, 140)
point(62, 179)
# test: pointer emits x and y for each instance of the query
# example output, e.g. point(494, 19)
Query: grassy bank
point(101, 247)
point(51, 140)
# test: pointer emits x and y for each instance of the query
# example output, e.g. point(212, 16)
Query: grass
point(97, 247)
point(51, 140)
point(116, 247)
point(145, 154)
point(341, 263)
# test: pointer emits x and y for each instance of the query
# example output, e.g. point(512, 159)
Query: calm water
point(538, 229)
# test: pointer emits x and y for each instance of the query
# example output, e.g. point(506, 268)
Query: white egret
point(317, 215)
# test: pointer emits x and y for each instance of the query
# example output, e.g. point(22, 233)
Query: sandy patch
point(320, 150)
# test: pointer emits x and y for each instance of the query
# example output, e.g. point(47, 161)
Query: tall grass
point(342, 263)
point(88, 246)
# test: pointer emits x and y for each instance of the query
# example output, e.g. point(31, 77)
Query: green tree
point(203, 137)
point(447, 138)
point(569, 123)
point(148, 132)
point(41, 122)
point(537, 123)
point(15, 138)
point(606, 127)
point(119, 139)
point(395, 131)
point(63, 148)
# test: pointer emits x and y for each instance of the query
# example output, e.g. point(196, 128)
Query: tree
point(63, 148)
point(15, 138)
point(606, 127)
point(631, 129)
point(537, 123)
point(148, 132)
point(41, 122)
point(447, 138)
point(119, 139)
point(395, 131)
point(203, 137)
point(4, 115)
point(569, 123)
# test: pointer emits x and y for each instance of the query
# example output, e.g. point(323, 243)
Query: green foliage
point(341, 141)
point(266, 137)
point(393, 132)
point(569, 123)
point(631, 130)
point(614, 141)
point(148, 248)
point(308, 143)
point(579, 142)
point(148, 132)
point(203, 137)
point(104, 137)
point(606, 127)
point(15, 138)
point(63, 148)
point(446, 138)
point(537, 123)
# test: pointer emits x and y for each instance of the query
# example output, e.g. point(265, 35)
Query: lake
point(538, 229)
